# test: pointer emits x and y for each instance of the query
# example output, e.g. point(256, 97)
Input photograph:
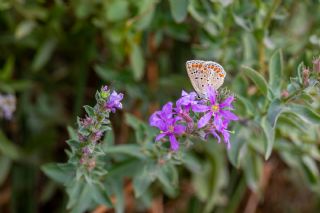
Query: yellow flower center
point(171, 128)
point(215, 108)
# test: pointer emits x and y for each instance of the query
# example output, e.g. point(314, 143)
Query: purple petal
point(160, 136)
point(200, 108)
point(227, 102)
point(212, 95)
point(218, 122)
point(174, 144)
point(214, 133)
point(154, 118)
point(179, 129)
point(229, 115)
point(167, 108)
point(184, 93)
point(226, 137)
point(204, 120)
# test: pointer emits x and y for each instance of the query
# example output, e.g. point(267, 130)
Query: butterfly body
point(205, 73)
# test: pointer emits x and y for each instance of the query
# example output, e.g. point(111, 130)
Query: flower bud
point(316, 64)
point(284, 93)
point(305, 76)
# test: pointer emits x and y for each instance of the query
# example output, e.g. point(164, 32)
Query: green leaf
point(100, 195)
point(73, 190)
point(142, 180)
point(117, 10)
point(257, 79)
point(15, 86)
point(253, 171)
point(299, 72)
point(5, 164)
point(179, 9)
point(84, 201)
point(274, 111)
point(43, 54)
point(7, 70)
point(310, 169)
point(9, 149)
point(133, 121)
point(61, 173)
point(137, 61)
point(127, 149)
point(242, 22)
point(72, 133)
point(305, 112)
point(89, 110)
point(145, 14)
point(73, 143)
point(24, 28)
point(250, 109)
point(125, 168)
point(238, 147)
point(275, 72)
point(192, 163)
point(166, 175)
point(270, 134)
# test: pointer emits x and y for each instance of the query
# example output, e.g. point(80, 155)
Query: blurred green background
point(54, 55)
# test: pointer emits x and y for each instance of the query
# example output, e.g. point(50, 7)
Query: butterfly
point(203, 74)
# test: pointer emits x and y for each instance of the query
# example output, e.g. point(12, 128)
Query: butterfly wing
point(198, 76)
point(217, 74)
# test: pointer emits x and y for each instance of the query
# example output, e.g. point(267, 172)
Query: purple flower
point(7, 106)
point(171, 129)
point(105, 88)
point(113, 102)
point(96, 136)
point(186, 101)
point(222, 130)
point(167, 123)
point(87, 121)
point(86, 150)
point(81, 137)
point(215, 109)
point(160, 117)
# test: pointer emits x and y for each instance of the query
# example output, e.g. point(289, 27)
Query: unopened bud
point(91, 164)
point(305, 76)
point(284, 93)
point(316, 64)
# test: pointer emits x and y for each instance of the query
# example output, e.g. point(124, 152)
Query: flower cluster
point(95, 123)
point(194, 116)
point(7, 106)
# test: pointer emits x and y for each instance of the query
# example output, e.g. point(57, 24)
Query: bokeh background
point(55, 54)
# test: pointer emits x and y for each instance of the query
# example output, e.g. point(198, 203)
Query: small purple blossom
point(222, 130)
point(184, 104)
point(113, 102)
point(86, 150)
point(186, 101)
point(160, 117)
point(218, 111)
point(81, 137)
point(105, 88)
point(7, 106)
point(96, 136)
point(87, 121)
point(168, 125)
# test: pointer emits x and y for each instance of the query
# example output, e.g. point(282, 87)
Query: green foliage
point(55, 53)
